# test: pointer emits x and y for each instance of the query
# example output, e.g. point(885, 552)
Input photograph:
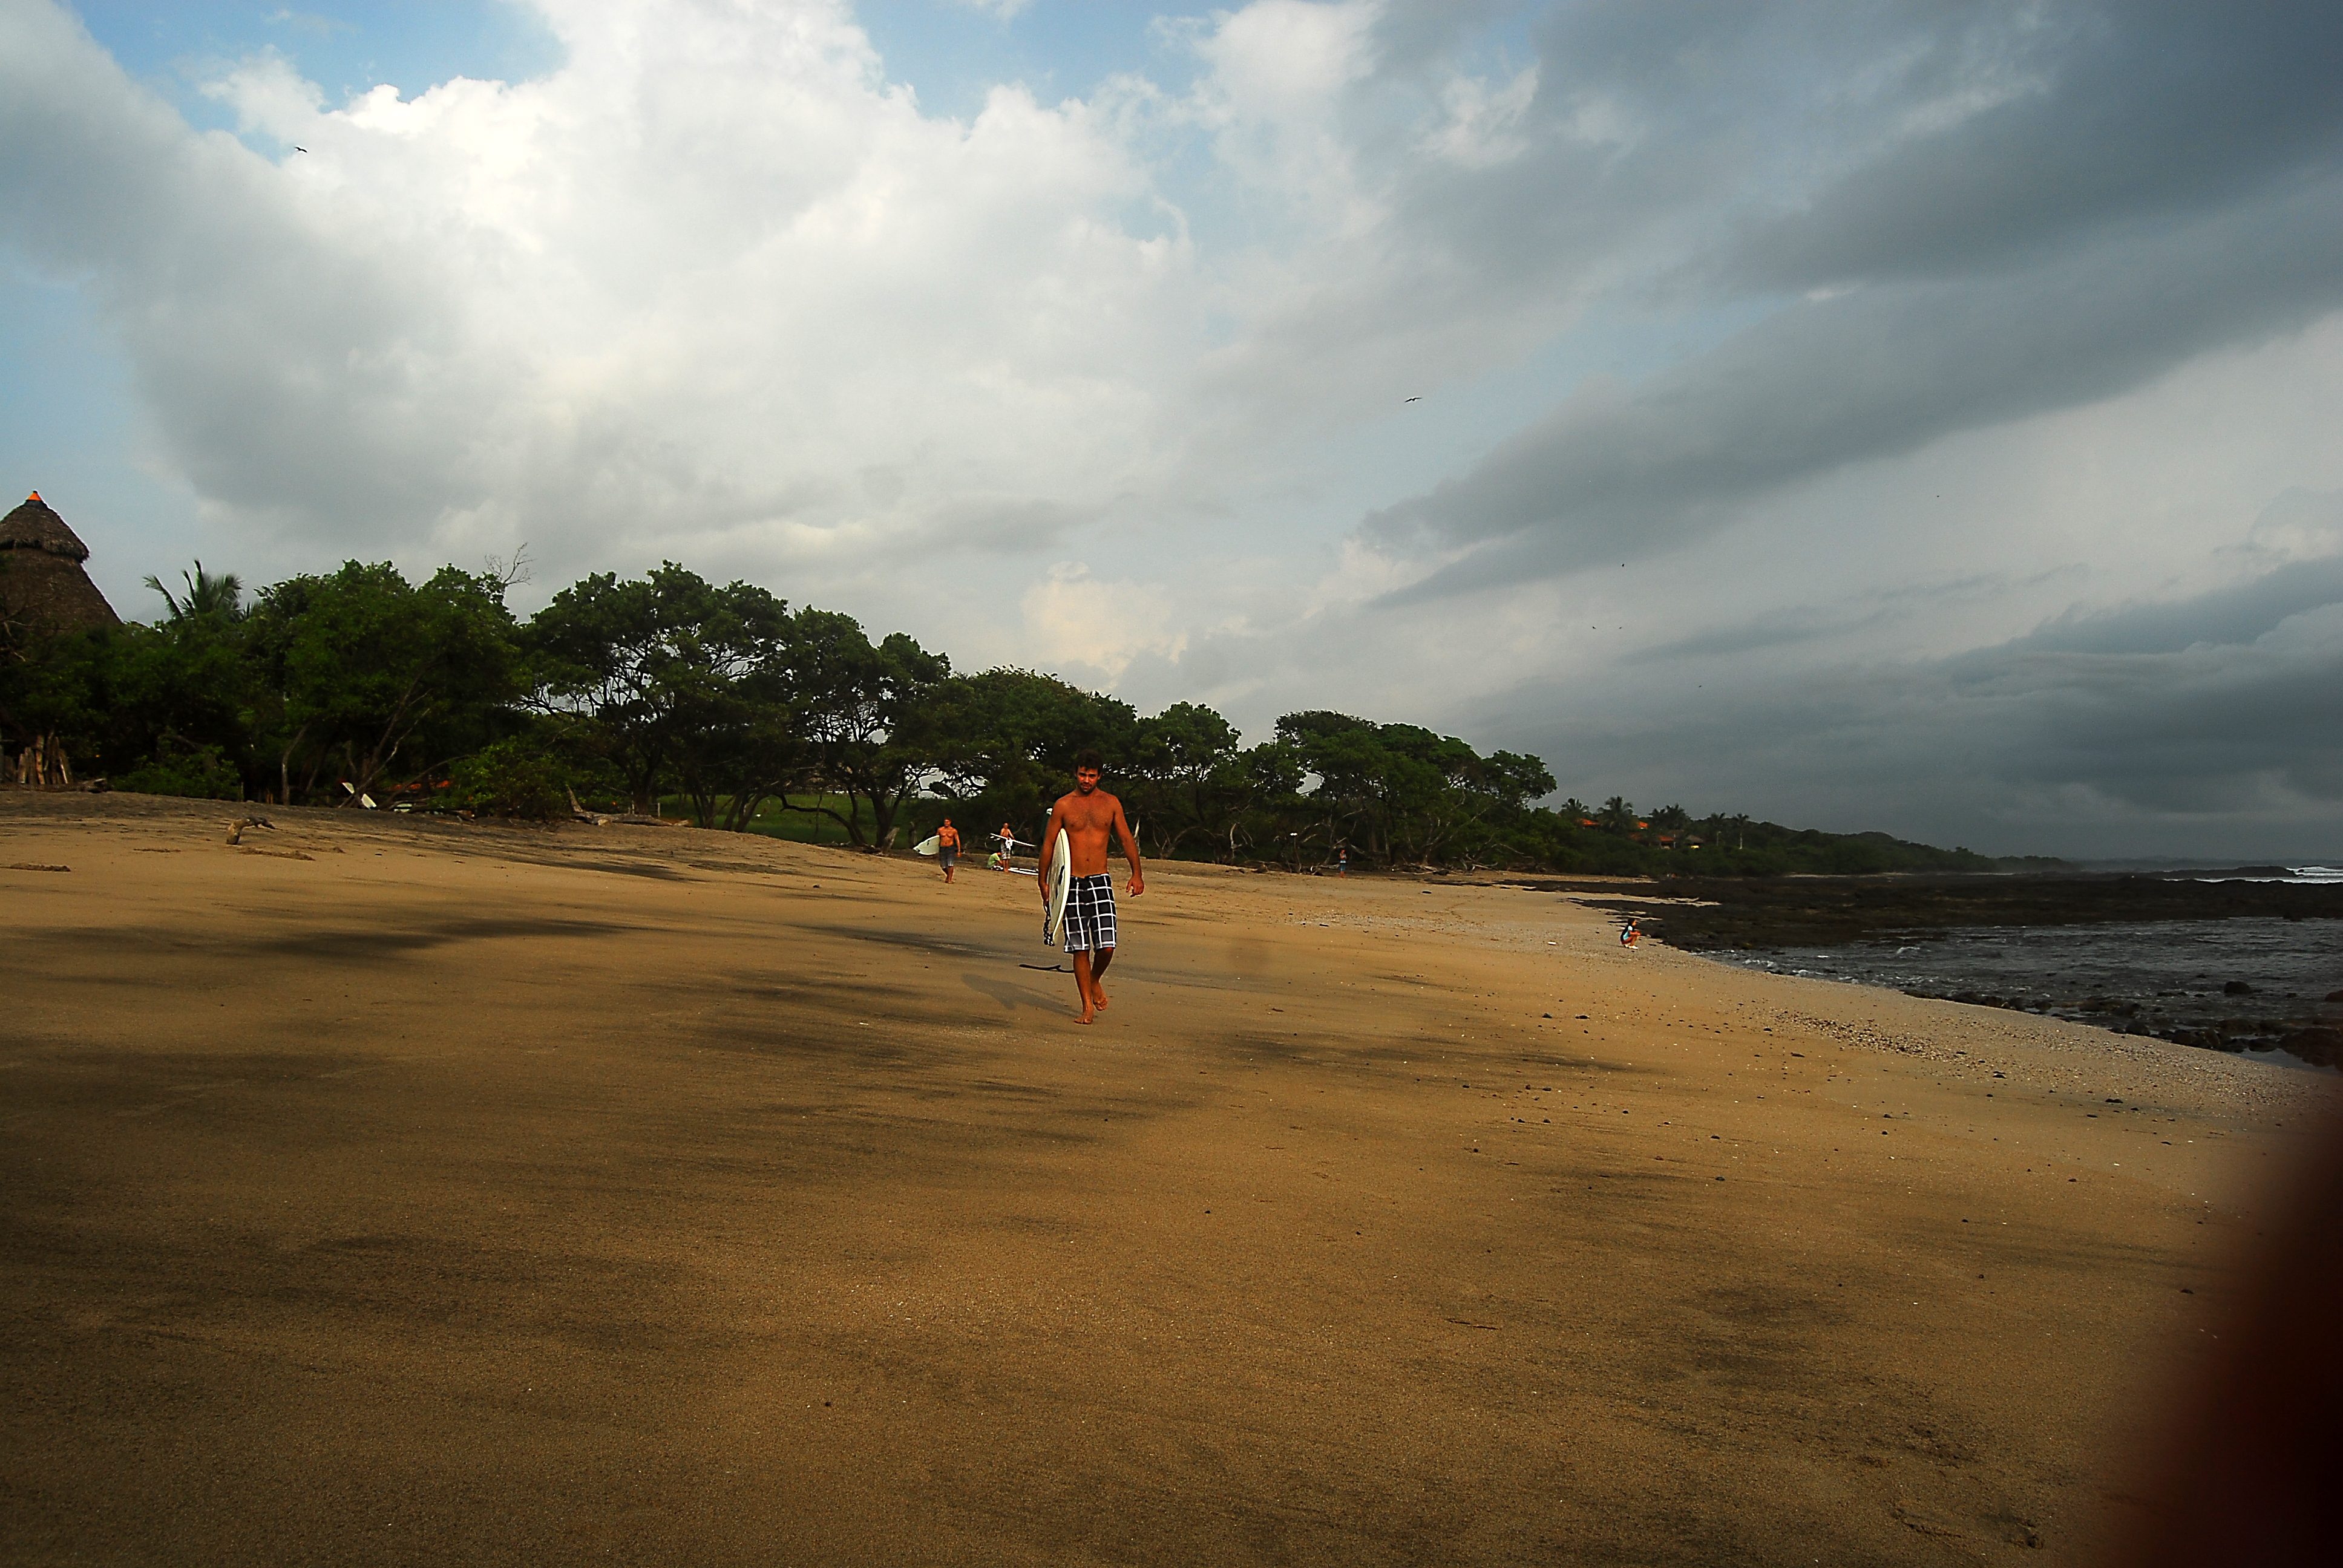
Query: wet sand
point(418, 1192)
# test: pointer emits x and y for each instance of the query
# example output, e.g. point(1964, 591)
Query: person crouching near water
point(1628, 934)
point(1089, 817)
point(948, 847)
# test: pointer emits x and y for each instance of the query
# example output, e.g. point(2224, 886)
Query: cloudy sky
point(1900, 416)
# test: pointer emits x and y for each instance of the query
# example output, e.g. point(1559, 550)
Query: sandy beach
point(390, 1191)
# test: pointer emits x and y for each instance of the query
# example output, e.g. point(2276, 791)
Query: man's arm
point(1130, 849)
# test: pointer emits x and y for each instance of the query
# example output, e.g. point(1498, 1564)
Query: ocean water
point(2179, 980)
point(2292, 874)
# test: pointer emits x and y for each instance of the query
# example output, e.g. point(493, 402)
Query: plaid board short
point(1090, 914)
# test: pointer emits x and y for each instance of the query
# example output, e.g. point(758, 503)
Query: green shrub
point(514, 779)
point(198, 772)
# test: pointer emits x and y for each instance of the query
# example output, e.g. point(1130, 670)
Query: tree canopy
point(329, 688)
point(667, 679)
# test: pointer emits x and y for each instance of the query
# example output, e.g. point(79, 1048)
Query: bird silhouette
point(1411, 399)
point(300, 149)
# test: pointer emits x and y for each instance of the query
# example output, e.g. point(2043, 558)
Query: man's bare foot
point(1085, 1018)
point(1101, 1002)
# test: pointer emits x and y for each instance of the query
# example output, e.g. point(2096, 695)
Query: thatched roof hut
point(42, 584)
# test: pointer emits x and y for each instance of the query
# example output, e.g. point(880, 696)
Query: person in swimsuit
point(1089, 816)
point(948, 847)
point(1008, 836)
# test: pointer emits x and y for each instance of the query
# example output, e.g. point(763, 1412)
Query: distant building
point(42, 584)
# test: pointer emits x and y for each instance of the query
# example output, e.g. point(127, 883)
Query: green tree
point(1400, 792)
point(364, 667)
point(1005, 741)
point(1191, 779)
point(160, 710)
point(58, 688)
point(516, 778)
point(868, 718)
point(1247, 796)
point(216, 598)
point(1618, 816)
point(667, 674)
point(1178, 757)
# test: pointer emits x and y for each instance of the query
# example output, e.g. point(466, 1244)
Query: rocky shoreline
point(2312, 1040)
point(1706, 914)
point(1869, 924)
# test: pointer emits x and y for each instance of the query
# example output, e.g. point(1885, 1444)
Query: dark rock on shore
point(1706, 914)
point(2318, 1044)
point(1974, 940)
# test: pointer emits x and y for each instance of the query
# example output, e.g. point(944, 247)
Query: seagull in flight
point(299, 149)
point(1411, 399)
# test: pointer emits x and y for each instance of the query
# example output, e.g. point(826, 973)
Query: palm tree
point(208, 598)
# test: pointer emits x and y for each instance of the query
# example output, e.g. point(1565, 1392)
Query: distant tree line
point(359, 685)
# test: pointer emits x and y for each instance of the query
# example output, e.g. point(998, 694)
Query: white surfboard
point(1062, 882)
point(928, 846)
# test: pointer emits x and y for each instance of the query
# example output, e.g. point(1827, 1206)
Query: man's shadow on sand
point(1013, 995)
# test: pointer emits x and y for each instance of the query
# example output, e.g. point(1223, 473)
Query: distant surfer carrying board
point(1087, 819)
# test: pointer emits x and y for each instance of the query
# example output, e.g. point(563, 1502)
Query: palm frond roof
point(34, 525)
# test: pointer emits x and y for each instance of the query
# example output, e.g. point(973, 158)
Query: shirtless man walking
point(1089, 816)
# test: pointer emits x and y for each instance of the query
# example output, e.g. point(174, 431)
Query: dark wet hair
point(1090, 758)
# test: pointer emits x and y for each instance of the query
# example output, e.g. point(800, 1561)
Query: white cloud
point(1286, 62)
point(1080, 626)
point(268, 95)
point(1484, 124)
point(2300, 525)
point(687, 285)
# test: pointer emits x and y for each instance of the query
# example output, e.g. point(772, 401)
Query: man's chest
point(1091, 815)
